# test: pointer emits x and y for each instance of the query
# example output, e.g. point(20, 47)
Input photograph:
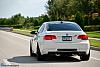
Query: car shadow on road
point(54, 59)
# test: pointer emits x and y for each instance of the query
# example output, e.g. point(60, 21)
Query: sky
point(31, 8)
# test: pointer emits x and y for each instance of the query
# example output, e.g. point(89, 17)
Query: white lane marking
point(95, 58)
point(19, 37)
point(6, 62)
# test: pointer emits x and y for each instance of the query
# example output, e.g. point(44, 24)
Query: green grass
point(22, 31)
point(94, 34)
point(95, 43)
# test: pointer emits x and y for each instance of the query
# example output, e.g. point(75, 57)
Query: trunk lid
point(66, 36)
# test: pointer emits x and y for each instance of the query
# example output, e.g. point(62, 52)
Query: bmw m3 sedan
point(61, 38)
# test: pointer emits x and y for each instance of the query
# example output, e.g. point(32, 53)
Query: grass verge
point(95, 43)
point(22, 31)
point(94, 34)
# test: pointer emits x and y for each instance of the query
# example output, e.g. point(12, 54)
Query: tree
point(79, 19)
point(36, 23)
point(61, 9)
point(64, 9)
point(45, 18)
point(3, 21)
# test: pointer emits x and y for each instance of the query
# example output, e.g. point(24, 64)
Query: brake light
point(49, 37)
point(83, 37)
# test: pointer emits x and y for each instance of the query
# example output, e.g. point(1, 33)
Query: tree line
point(83, 12)
point(19, 21)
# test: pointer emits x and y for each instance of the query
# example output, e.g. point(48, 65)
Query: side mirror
point(33, 32)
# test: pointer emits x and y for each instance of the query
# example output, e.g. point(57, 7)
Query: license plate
point(66, 38)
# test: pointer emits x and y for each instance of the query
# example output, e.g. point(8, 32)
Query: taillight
point(49, 37)
point(83, 37)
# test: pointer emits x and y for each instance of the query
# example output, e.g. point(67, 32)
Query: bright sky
point(31, 8)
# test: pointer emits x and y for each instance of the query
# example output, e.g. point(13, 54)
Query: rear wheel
point(39, 56)
point(31, 52)
point(85, 57)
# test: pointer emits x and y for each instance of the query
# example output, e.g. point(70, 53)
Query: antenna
point(61, 22)
point(60, 19)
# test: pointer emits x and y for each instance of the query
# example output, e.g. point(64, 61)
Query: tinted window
point(63, 27)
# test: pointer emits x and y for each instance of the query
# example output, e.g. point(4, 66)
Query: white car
point(60, 38)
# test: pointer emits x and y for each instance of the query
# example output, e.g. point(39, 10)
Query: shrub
point(92, 28)
point(36, 27)
point(17, 26)
point(96, 21)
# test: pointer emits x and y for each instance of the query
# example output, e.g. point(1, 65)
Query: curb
point(95, 48)
point(23, 34)
point(95, 38)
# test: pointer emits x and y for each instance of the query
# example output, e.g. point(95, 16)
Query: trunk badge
point(66, 34)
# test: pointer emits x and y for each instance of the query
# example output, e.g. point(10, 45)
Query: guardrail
point(6, 28)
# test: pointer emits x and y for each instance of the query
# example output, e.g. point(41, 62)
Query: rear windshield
point(63, 27)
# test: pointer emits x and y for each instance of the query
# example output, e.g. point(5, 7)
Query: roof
point(54, 22)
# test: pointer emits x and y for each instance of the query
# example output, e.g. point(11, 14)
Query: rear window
point(63, 27)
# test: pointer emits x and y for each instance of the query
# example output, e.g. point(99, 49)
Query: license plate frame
point(66, 38)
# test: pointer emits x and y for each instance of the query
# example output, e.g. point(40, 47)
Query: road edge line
point(94, 48)
point(6, 62)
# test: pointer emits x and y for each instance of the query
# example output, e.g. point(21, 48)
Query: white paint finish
point(82, 45)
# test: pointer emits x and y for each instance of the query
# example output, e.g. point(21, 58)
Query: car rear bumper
point(67, 53)
point(73, 48)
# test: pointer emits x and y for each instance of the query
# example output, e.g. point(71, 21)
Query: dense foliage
point(80, 11)
point(18, 21)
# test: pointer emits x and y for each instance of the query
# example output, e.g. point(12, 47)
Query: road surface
point(14, 50)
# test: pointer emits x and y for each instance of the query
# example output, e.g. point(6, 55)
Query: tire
point(85, 57)
point(39, 56)
point(31, 52)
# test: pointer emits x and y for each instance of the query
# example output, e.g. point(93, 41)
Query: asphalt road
point(14, 50)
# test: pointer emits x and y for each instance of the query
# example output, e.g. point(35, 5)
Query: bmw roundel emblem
point(66, 34)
